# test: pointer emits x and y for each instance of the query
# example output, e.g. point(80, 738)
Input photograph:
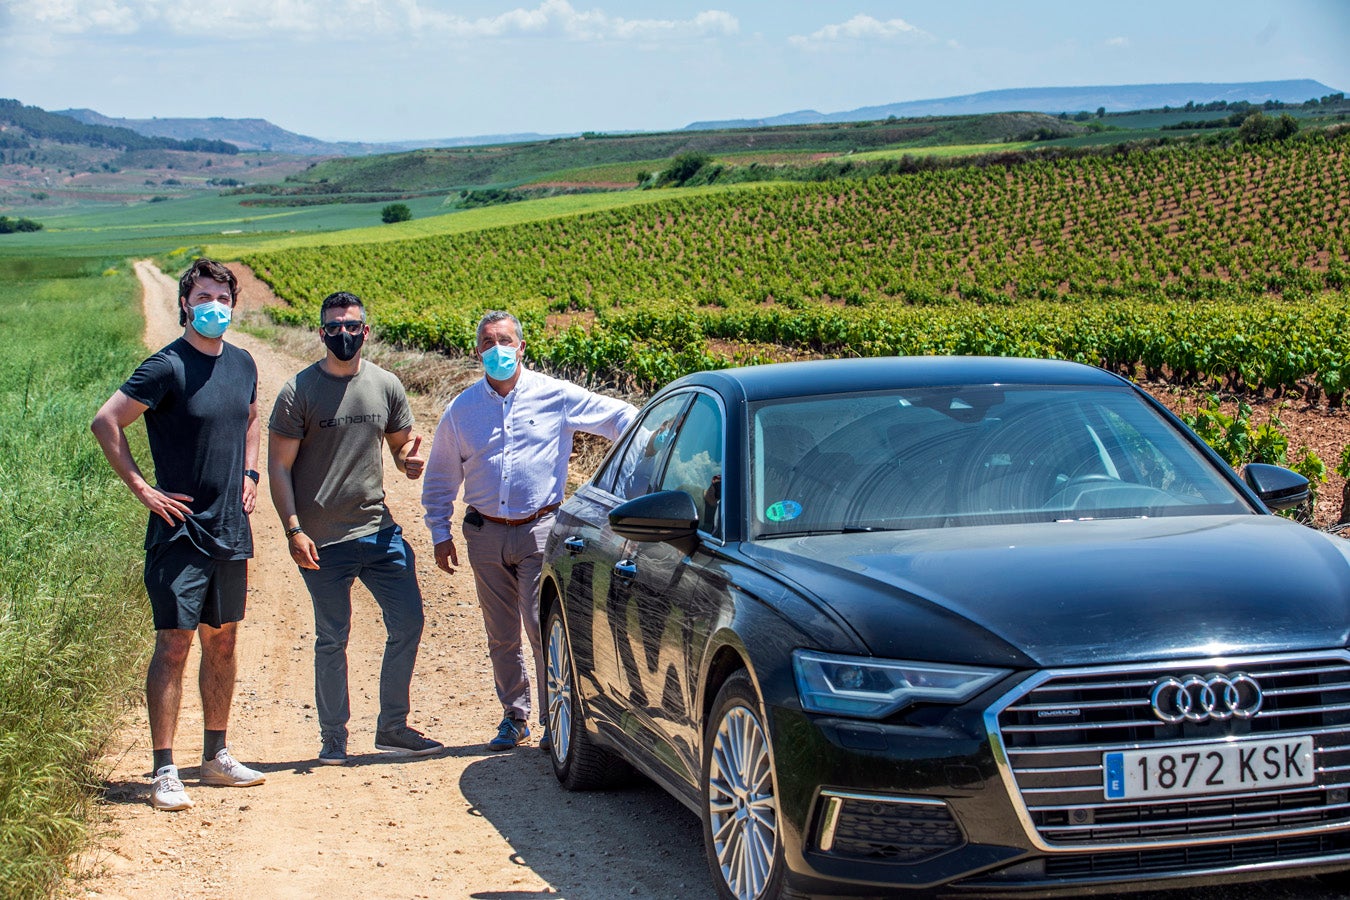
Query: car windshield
point(947, 457)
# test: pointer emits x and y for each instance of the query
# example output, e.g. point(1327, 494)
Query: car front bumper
point(869, 807)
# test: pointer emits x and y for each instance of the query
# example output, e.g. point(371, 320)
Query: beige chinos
point(507, 561)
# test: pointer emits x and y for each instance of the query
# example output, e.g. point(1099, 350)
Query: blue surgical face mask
point(210, 319)
point(499, 362)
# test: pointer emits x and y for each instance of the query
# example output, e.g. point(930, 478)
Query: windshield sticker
point(783, 510)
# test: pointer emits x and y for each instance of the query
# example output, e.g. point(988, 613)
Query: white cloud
point(861, 28)
point(558, 18)
point(338, 19)
point(1118, 42)
point(72, 16)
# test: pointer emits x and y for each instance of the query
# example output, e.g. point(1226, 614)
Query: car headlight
point(874, 688)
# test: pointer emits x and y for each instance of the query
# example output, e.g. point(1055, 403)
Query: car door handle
point(625, 569)
point(574, 545)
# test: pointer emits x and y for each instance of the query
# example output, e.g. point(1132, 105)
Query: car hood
point(1079, 593)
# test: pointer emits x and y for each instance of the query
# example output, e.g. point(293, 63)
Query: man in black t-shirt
point(199, 397)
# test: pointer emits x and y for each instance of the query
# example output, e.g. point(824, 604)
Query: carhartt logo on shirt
point(351, 420)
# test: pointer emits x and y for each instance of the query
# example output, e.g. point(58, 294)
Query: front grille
point(1204, 856)
point(885, 829)
point(1056, 728)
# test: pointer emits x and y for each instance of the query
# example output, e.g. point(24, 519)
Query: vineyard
point(1208, 265)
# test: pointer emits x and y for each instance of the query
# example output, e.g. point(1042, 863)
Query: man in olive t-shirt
point(324, 463)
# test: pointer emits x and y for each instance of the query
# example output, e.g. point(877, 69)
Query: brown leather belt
point(537, 514)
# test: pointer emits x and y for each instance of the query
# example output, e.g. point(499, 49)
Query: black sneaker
point(333, 752)
point(407, 742)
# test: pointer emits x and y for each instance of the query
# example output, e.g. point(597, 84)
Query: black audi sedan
point(952, 626)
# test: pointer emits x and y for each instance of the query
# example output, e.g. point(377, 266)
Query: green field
point(1216, 264)
point(467, 221)
point(944, 152)
point(74, 630)
point(221, 227)
point(626, 173)
point(607, 174)
point(197, 220)
point(516, 164)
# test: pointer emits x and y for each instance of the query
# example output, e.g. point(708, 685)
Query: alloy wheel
point(743, 813)
point(559, 673)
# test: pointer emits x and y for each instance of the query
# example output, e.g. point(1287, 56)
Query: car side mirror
point(668, 516)
point(1278, 487)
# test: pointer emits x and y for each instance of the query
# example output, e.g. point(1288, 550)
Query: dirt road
point(469, 823)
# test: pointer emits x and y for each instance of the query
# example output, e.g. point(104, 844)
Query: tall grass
point(74, 629)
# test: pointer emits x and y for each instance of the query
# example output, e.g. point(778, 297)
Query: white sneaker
point(166, 791)
point(230, 772)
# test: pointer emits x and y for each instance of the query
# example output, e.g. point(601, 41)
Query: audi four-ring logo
point(1198, 698)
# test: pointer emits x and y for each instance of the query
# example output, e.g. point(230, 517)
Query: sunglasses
point(351, 326)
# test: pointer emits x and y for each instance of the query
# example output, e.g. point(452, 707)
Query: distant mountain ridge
point(23, 124)
point(246, 134)
point(260, 134)
point(1114, 98)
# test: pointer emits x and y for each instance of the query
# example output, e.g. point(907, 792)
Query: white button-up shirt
point(510, 453)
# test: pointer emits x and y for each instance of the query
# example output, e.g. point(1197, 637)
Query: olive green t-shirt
point(338, 475)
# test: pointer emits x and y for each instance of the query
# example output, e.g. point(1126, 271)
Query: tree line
point(14, 226)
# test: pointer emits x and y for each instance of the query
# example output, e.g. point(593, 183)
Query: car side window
point(639, 465)
point(695, 465)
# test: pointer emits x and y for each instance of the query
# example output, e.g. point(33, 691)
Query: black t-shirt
point(197, 422)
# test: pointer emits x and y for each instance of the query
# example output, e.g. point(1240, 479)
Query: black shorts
point(187, 588)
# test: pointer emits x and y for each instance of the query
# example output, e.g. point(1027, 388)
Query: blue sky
point(376, 70)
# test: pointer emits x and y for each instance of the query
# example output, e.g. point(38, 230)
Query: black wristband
point(252, 474)
point(292, 532)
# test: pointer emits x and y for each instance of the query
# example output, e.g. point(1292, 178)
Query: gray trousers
point(507, 562)
point(385, 564)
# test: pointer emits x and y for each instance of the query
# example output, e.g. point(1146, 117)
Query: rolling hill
point(1113, 98)
point(260, 134)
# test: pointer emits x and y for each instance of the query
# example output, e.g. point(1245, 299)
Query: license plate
point(1209, 768)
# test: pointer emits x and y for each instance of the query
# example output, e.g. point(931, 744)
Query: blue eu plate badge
point(1115, 775)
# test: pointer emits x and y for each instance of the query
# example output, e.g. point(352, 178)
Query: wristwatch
point(252, 474)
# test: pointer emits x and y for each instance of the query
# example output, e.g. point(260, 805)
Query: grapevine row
point(1228, 266)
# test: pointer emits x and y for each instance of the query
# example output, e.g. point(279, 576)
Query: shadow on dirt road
point(623, 842)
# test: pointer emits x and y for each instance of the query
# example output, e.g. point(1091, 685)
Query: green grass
point(611, 173)
point(949, 151)
point(74, 627)
point(221, 228)
point(1122, 136)
point(157, 229)
point(467, 221)
point(200, 218)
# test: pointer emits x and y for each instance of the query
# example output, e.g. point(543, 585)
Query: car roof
point(839, 376)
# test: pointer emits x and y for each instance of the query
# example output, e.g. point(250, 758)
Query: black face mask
point(344, 345)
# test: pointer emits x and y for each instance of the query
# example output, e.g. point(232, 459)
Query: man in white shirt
point(506, 440)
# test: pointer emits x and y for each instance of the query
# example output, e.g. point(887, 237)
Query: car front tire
point(740, 808)
point(578, 764)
